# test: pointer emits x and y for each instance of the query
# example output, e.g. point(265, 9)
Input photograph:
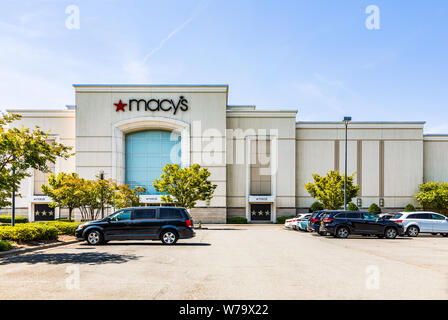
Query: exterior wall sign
point(261, 198)
point(39, 199)
point(150, 198)
point(153, 105)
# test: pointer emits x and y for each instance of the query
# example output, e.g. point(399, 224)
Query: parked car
point(422, 222)
point(341, 224)
point(167, 224)
point(387, 216)
point(314, 222)
point(303, 223)
point(292, 223)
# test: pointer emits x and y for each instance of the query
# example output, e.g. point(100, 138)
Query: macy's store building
point(260, 160)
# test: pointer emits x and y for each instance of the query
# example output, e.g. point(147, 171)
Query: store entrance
point(260, 212)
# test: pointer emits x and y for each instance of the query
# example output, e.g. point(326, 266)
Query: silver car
point(422, 222)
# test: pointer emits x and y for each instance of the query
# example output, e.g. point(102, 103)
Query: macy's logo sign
point(153, 105)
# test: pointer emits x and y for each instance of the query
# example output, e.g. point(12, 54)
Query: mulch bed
point(31, 244)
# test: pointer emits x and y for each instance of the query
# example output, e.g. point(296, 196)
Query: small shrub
point(6, 218)
point(316, 206)
point(281, 220)
point(5, 245)
point(409, 208)
point(63, 227)
point(374, 208)
point(237, 220)
point(352, 207)
point(29, 232)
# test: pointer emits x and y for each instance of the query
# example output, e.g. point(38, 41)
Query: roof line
point(373, 122)
point(150, 85)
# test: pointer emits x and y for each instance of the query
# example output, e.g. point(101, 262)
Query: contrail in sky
point(196, 12)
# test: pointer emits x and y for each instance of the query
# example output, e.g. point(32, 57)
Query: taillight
point(398, 221)
point(313, 220)
point(188, 223)
point(329, 220)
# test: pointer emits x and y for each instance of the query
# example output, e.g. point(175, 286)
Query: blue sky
point(316, 56)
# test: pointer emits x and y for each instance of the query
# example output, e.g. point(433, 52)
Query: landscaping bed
point(29, 235)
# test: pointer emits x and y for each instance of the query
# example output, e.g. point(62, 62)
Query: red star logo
point(120, 106)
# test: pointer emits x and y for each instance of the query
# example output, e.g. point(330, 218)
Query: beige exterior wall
point(203, 125)
point(244, 126)
point(435, 153)
point(387, 159)
point(61, 126)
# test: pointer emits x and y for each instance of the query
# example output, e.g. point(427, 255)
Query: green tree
point(22, 149)
point(433, 196)
point(64, 190)
point(126, 197)
point(374, 208)
point(330, 189)
point(352, 207)
point(316, 206)
point(95, 195)
point(184, 186)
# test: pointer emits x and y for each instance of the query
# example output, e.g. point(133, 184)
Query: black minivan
point(167, 224)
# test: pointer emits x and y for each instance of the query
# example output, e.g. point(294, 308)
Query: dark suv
point(314, 222)
point(341, 224)
point(167, 224)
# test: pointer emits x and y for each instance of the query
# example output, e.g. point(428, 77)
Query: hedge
point(29, 232)
point(281, 220)
point(5, 245)
point(237, 220)
point(63, 227)
point(6, 218)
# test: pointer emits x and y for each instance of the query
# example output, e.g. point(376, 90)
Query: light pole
point(346, 121)
point(13, 204)
point(102, 206)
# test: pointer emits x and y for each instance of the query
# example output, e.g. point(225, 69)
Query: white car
point(422, 222)
point(292, 223)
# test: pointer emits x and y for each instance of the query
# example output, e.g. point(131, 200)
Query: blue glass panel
point(147, 152)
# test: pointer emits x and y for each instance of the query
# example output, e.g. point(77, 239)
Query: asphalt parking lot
point(235, 262)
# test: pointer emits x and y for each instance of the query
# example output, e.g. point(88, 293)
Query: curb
point(42, 247)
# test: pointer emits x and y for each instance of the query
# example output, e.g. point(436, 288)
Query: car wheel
point(390, 233)
point(444, 234)
point(169, 237)
point(434, 234)
point(412, 231)
point(95, 238)
point(342, 232)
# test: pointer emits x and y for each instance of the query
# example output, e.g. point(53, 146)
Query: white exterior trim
point(150, 89)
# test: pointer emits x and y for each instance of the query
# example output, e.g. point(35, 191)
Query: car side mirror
point(107, 219)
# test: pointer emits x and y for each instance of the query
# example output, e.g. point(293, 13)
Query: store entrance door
point(43, 212)
point(260, 212)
